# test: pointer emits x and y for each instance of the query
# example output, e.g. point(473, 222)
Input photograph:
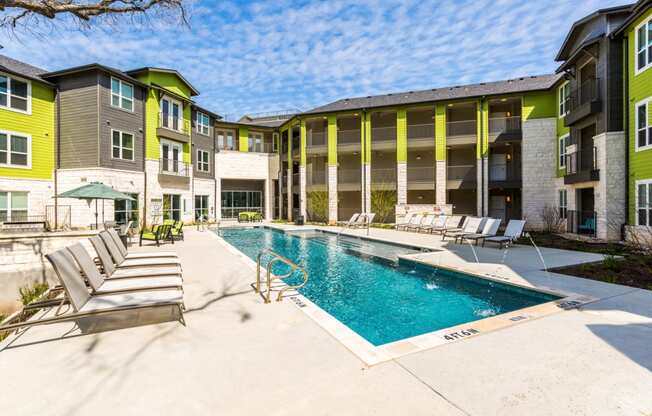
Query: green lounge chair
point(158, 234)
point(176, 231)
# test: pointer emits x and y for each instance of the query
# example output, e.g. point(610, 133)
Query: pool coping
point(372, 355)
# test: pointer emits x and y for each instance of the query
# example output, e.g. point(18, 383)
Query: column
point(289, 174)
point(365, 158)
point(401, 157)
point(269, 199)
point(243, 139)
point(302, 170)
point(482, 147)
point(332, 169)
point(440, 154)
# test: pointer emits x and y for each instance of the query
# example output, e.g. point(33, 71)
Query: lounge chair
point(176, 232)
point(137, 255)
point(452, 224)
point(512, 233)
point(351, 221)
point(158, 233)
point(414, 221)
point(112, 271)
point(102, 285)
point(426, 220)
point(121, 262)
point(489, 230)
point(366, 219)
point(405, 222)
point(438, 223)
point(85, 305)
point(472, 226)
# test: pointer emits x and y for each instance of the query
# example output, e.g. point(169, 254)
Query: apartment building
point(578, 141)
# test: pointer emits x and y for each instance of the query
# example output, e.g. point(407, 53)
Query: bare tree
point(23, 12)
point(552, 219)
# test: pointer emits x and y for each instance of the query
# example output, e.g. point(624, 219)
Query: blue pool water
point(381, 300)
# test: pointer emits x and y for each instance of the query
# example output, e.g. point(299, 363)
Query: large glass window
point(14, 149)
point(203, 163)
point(563, 203)
point(171, 207)
point(644, 202)
point(256, 142)
point(225, 140)
point(15, 93)
point(203, 123)
point(643, 125)
point(201, 207)
point(122, 94)
point(13, 206)
point(563, 144)
point(564, 93)
point(171, 112)
point(235, 202)
point(123, 145)
point(125, 211)
point(644, 46)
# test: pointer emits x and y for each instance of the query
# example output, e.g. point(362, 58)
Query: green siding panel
point(540, 104)
point(40, 125)
point(302, 143)
point(401, 136)
point(365, 138)
point(440, 132)
point(332, 140)
point(243, 138)
point(482, 145)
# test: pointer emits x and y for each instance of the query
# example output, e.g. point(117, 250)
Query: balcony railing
point(421, 131)
point(461, 172)
point(316, 177)
point(383, 175)
point(581, 160)
point(587, 92)
point(379, 134)
point(174, 167)
point(348, 136)
point(462, 128)
point(170, 122)
point(581, 222)
point(420, 174)
point(348, 176)
point(317, 138)
point(261, 148)
point(505, 125)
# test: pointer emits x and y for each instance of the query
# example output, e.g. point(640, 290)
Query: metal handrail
point(277, 258)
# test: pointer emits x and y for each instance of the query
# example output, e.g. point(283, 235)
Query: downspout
point(623, 234)
point(58, 157)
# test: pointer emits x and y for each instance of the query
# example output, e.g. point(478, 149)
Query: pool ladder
point(276, 258)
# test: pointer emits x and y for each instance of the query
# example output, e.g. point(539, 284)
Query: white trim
point(170, 114)
point(28, 209)
point(29, 150)
point(120, 96)
point(565, 139)
point(647, 182)
point(648, 103)
point(198, 125)
point(121, 147)
point(201, 161)
point(648, 63)
point(29, 94)
point(559, 89)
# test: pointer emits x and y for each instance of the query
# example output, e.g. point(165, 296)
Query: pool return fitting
point(277, 258)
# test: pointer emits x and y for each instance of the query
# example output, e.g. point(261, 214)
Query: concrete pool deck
point(240, 356)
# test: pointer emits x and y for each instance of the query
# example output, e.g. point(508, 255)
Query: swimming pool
point(383, 301)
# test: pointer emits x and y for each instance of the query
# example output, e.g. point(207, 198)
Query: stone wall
point(610, 195)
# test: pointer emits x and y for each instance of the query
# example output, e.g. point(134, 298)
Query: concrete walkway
point(239, 356)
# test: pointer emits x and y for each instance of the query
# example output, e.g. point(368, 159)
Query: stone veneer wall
point(610, 195)
point(40, 192)
point(440, 182)
point(206, 187)
point(401, 183)
point(332, 194)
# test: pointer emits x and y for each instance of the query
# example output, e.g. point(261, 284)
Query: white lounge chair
point(139, 254)
point(121, 262)
point(489, 230)
point(438, 223)
point(426, 220)
point(102, 285)
point(406, 220)
point(415, 220)
point(350, 222)
point(472, 226)
point(512, 233)
point(452, 224)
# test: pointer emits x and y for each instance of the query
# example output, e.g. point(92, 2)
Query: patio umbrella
point(95, 191)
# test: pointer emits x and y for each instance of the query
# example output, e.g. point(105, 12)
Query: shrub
point(551, 219)
point(610, 262)
point(317, 206)
point(383, 203)
point(28, 294)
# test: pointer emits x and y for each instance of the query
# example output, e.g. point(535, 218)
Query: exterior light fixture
point(508, 198)
point(418, 157)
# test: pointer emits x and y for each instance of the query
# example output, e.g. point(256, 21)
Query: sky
point(257, 56)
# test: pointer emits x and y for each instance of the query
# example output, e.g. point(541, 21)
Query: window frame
point(9, 199)
point(8, 107)
point(129, 209)
point(648, 184)
point(120, 96)
point(561, 99)
point(253, 137)
point(199, 126)
point(563, 138)
point(647, 102)
point(225, 133)
point(201, 162)
point(647, 24)
point(122, 147)
point(202, 208)
point(563, 207)
point(9, 152)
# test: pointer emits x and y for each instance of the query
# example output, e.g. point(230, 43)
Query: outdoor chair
point(121, 262)
point(158, 234)
point(351, 221)
point(405, 222)
point(438, 223)
point(512, 233)
point(415, 220)
point(100, 285)
point(111, 270)
point(489, 230)
point(452, 224)
point(176, 232)
point(472, 226)
point(137, 255)
point(85, 305)
point(426, 220)
point(588, 226)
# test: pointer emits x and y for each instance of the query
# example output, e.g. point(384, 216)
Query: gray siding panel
point(79, 121)
point(206, 143)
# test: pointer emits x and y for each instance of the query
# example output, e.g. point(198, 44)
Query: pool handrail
point(277, 258)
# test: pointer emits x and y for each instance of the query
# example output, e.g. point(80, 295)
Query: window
point(643, 125)
point(13, 206)
point(15, 94)
point(235, 202)
point(123, 145)
point(15, 149)
point(225, 140)
point(171, 207)
point(563, 143)
point(203, 163)
point(255, 142)
point(563, 203)
point(122, 94)
point(125, 211)
point(201, 207)
point(203, 123)
point(644, 202)
point(275, 142)
point(171, 114)
point(644, 46)
point(563, 93)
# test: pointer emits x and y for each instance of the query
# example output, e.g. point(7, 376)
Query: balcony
point(380, 134)
point(581, 166)
point(583, 101)
point(381, 176)
point(348, 179)
point(421, 135)
point(421, 175)
point(461, 176)
point(505, 128)
point(176, 168)
point(461, 132)
point(505, 175)
point(173, 128)
point(316, 178)
point(316, 142)
point(261, 148)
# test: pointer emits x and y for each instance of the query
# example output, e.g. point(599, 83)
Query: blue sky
point(247, 57)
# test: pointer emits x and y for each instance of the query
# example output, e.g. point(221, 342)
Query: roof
point(569, 61)
point(210, 113)
point(530, 83)
point(243, 124)
point(22, 69)
point(636, 11)
point(605, 11)
point(90, 67)
point(193, 90)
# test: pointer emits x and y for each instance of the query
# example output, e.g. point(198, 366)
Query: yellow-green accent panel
point(302, 143)
point(332, 140)
point(401, 136)
point(166, 80)
point(40, 126)
point(365, 138)
point(482, 143)
point(243, 139)
point(440, 132)
point(542, 104)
